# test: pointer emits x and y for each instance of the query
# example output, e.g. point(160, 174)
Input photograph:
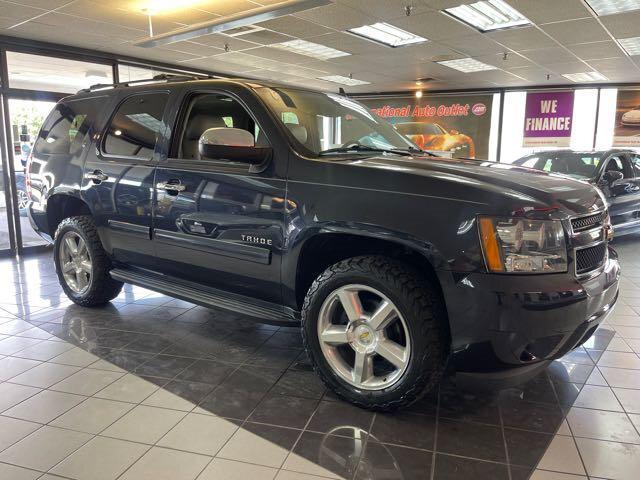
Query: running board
point(211, 298)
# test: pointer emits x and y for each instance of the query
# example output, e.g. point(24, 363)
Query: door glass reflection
point(26, 118)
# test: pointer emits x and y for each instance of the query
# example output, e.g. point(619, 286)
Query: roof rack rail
point(162, 77)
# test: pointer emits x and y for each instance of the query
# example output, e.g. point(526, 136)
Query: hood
point(524, 187)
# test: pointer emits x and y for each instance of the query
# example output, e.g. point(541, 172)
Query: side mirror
point(612, 176)
point(234, 144)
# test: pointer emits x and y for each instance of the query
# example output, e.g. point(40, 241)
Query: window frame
point(180, 126)
point(115, 109)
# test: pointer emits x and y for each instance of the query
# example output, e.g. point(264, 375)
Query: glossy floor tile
point(150, 387)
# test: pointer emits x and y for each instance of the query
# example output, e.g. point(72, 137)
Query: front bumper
point(502, 324)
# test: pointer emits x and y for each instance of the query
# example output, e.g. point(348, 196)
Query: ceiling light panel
point(467, 65)
point(489, 15)
point(387, 34)
point(610, 7)
point(351, 82)
point(630, 45)
point(585, 77)
point(310, 49)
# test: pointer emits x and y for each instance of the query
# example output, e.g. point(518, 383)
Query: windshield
point(325, 121)
point(420, 129)
point(577, 165)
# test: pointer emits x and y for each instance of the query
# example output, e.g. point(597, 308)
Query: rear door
point(118, 175)
point(623, 195)
point(219, 223)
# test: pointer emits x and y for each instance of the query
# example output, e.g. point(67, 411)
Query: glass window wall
point(51, 74)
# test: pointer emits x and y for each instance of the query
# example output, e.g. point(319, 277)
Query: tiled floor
point(155, 388)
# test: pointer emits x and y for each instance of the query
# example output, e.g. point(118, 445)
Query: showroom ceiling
point(564, 37)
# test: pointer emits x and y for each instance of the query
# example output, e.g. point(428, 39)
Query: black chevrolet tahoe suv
point(289, 205)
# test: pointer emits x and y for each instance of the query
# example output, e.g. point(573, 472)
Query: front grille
point(588, 222)
point(590, 258)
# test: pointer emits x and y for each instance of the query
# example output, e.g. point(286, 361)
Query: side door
point(220, 223)
point(118, 175)
point(622, 195)
point(634, 159)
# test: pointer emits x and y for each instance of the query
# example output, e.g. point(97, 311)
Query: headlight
point(519, 245)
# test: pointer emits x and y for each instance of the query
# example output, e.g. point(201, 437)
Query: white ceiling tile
point(623, 25)
point(473, 45)
point(218, 40)
point(387, 9)
point(548, 55)
point(545, 11)
point(597, 50)
point(338, 17)
point(577, 31)
point(434, 25)
point(280, 55)
point(522, 38)
point(295, 27)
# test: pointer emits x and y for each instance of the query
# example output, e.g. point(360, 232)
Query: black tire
point(420, 306)
point(102, 288)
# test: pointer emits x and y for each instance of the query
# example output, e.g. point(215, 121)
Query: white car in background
point(632, 117)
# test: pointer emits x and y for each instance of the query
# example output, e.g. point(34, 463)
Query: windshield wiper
point(358, 147)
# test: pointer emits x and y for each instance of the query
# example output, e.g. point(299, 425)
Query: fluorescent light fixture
point(233, 21)
point(315, 50)
point(387, 34)
point(351, 82)
point(488, 15)
point(467, 65)
point(609, 7)
point(630, 45)
point(585, 77)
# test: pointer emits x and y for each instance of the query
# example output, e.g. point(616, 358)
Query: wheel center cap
point(364, 336)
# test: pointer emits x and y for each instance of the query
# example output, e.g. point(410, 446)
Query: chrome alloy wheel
point(363, 337)
point(23, 199)
point(75, 262)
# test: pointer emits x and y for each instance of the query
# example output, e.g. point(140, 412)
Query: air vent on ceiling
point(239, 31)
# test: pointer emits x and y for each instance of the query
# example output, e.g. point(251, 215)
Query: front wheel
point(82, 264)
point(375, 332)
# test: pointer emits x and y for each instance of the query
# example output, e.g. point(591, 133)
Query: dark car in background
point(615, 172)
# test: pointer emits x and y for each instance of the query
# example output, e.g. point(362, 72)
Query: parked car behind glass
point(615, 172)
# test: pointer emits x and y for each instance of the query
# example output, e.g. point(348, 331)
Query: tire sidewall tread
point(102, 288)
point(422, 310)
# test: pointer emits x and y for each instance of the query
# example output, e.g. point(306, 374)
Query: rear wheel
point(82, 264)
point(375, 332)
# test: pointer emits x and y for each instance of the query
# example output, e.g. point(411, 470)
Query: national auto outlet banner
point(626, 132)
point(455, 124)
point(548, 119)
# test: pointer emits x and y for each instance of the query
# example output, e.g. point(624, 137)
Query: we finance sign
point(548, 119)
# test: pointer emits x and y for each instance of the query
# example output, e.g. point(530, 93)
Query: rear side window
point(67, 126)
point(135, 126)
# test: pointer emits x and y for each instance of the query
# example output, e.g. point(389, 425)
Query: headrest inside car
point(298, 131)
point(201, 122)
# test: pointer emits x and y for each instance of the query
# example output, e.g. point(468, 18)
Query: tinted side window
point(617, 164)
point(135, 125)
point(66, 127)
point(215, 111)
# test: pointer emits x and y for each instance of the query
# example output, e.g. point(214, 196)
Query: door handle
point(172, 187)
point(98, 176)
